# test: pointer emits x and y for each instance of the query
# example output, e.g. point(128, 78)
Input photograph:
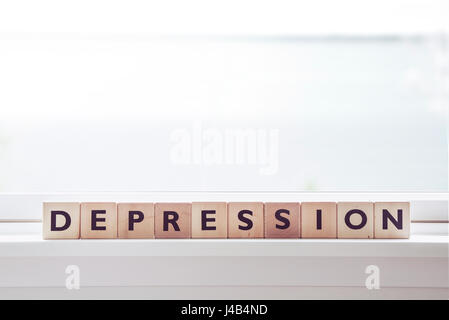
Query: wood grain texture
point(135, 220)
point(245, 220)
point(282, 220)
point(71, 230)
point(172, 220)
point(384, 228)
point(209, 220)
point(319, 220)
point(98, 220)
point(355, 220)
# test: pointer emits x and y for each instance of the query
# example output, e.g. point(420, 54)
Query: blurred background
point(205, 95)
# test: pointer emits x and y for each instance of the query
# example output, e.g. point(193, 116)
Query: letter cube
point(355, 220)
point(319, 219)
point(245, 220)
point(209, 220)
point(391, 220)
point(61, 220)
point(135, 220)
point(172, 220)
point(98, 220)
point(282, 220)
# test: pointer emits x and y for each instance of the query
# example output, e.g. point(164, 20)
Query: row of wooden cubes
point(106, 220)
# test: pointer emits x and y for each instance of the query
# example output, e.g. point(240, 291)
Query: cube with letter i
point(319, 219)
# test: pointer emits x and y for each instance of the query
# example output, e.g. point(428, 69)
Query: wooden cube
point(282, 220)
point(355, 220)
point(135, 220)
point(209, 220)
point(392, 220)
point(245, 220)
point(98, 220)
point(172, 220)
point(319, 219)
point(61, 220)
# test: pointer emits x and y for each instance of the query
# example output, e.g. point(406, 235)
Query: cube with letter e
point(98, 220)
point(209, 220)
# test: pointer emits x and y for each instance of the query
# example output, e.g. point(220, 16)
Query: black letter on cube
point(205, 220)
point(67, 223)
point(282, 219)
point(348, 217)
point(249, 223)
point(174, 217)
point(387, 216)
point(132, 220)
point(95, 219)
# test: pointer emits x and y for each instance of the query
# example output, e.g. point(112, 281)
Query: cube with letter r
point(61, 220)
point(172, 220)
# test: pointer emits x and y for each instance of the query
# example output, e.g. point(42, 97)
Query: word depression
point(107, 220)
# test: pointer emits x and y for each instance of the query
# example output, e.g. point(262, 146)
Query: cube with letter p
point(135, 220)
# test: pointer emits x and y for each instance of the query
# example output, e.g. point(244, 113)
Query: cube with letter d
point(61, 220)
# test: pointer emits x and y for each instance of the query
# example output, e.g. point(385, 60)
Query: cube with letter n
point(391, 220)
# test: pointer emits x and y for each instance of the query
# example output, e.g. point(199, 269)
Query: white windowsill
point(30, 244)
point(188, 268)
